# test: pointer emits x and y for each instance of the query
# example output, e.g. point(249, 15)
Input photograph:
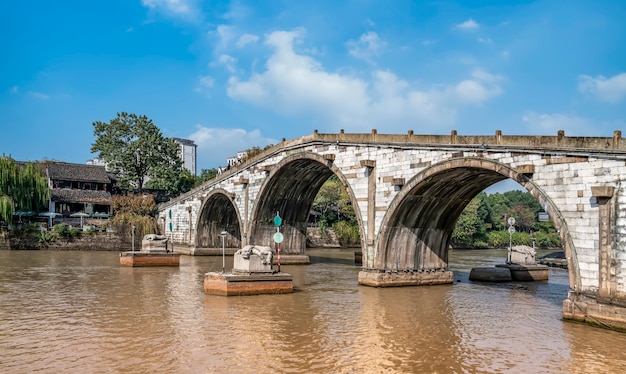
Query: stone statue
point(154, 243)
point(155, 237)
point(253, 259)
point(523, 254)
point(265, 253)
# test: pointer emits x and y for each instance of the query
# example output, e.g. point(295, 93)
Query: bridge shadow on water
point(321, 259)
point(554, 290)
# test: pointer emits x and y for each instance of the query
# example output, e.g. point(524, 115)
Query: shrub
point(346, 233)
point(45, 237)
point(63, 230)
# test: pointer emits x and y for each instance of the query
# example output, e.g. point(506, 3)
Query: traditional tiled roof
point(77, 172)
point(68, 195)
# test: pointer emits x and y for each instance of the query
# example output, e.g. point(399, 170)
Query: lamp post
point(132, 237)
point(223, 235)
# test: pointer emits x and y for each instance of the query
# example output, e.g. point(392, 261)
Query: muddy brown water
point(80, 312)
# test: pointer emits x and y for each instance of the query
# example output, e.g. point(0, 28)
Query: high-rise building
point(188, 154)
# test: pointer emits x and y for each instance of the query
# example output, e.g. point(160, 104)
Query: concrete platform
point(377, 278)
point(527, 273)
point(241, 284)
point(149, 259)
point(490, 274)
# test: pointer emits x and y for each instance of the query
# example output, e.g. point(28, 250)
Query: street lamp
point(132, 237)
point(223, 235)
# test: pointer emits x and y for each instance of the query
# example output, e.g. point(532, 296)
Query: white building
point(97, 162)
point(188, 154)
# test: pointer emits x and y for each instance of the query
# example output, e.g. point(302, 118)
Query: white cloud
point(15, 89)
point(225, 34)
point(246, 39)
point(229, 62)
point(39, 95)
point(483, 76)
point(237, 12)
point(177, 8)
point(485, 40)
point(550, 124)
point(368, 46)
point(610, 90)
point(470, 24)
point(480, 89)
point(215, 145)
point(207, 81)
point(297, 84)
point(429, 42)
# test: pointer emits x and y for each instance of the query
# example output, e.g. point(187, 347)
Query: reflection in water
point(82, 312)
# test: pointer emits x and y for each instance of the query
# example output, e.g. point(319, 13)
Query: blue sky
point(235, 74)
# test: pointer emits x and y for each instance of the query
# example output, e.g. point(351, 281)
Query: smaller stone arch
point(218, 212)
point(290, 189)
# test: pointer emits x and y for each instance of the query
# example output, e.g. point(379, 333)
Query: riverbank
point(98, 241)
point(107, 241)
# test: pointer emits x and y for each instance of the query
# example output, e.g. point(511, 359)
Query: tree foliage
point(484, 222)
point(142, 205)
point(134, 150)
point(206, 175)
point(137, 211)
point(336, 211)
point(251, 152)
point(23, 187)
point(469, 227)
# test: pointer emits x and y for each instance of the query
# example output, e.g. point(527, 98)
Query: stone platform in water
point(527, 272)
point(510, 272)
point(244, 284)
point(153, 258)
point(378, 278)
point(490, 274)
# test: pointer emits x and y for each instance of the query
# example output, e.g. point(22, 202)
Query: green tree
point(21, 186)
point(469, 227)
point(327, 200)
point(524, 217)
point(207, 175)
point(500, 206)
point(251, 152)
point(134, 150)
point(137, 211)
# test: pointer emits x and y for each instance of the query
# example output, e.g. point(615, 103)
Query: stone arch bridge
point(408, 191)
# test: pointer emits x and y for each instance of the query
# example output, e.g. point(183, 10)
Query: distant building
point(97, 161)
point(188, 154)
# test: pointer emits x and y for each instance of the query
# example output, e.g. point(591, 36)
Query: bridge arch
point(416, 230)
point(290, 190)
point(218, 213)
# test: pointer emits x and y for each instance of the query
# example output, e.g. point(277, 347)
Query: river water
point(80, 312)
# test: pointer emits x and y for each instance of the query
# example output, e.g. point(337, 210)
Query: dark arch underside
point(290, 192)
point(218, 214)
point(418, 234)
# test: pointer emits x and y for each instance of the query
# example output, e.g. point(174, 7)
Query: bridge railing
point(560, 140)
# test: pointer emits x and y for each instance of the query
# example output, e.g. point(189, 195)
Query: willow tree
point(22, 186)
point(135, 151)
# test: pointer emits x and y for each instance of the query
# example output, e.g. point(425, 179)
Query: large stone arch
point(218, 213)
point(418, 225)
point(290, 189)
